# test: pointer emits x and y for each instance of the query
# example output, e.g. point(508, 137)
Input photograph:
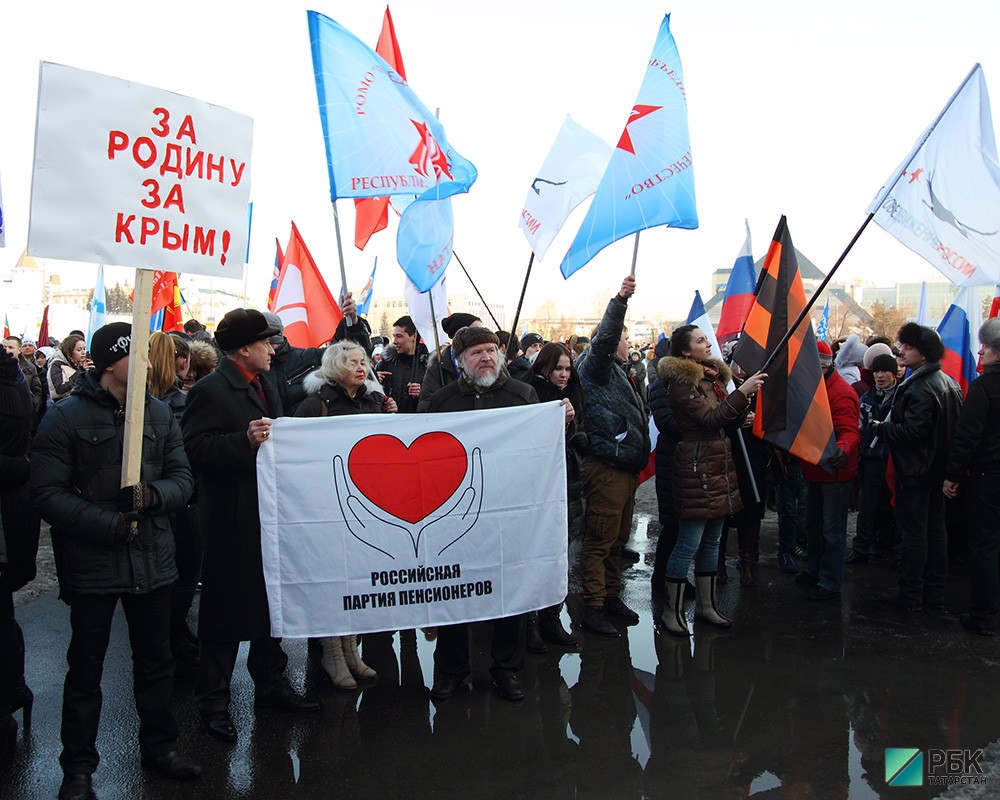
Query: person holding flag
point(706, 488)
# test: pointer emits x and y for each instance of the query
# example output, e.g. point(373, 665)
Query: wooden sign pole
point(135, 400)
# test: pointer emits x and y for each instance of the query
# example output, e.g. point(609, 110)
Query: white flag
point(943, 201)
point(571, 172)
point(419, 304)
point(387, 522)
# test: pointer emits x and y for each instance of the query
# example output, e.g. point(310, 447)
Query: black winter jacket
point(975, 445)
point(401, 371)
point(330, 400)
point(463, 396)
point(616, 423)
point(875, 407)
point(289, 367)
point(76, 465)
point(920, 426)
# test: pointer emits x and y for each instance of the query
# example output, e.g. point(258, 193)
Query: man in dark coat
point(918, 431)
point(290, 365)
point(227, 418)
point(112, 544)
point(403, 365)
point(442, 368)
point(618, 447)
point(12, 345)
point(483, 385)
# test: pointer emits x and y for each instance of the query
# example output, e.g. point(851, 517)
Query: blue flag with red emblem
point(382, 140)
point(959, 332)
point(649, 181)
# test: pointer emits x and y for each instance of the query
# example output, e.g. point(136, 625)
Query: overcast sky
point(795, 107)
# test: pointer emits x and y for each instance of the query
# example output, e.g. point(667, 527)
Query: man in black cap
point(226, 419)
point(112, 545)
point(442, 368)
point(918, 432)
point(530, 344)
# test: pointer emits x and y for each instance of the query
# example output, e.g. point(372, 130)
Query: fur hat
point(884, 363)
point(243, 326)
point(989, 334)
point(110, 344)
point(452, 324)
point(465, 338)
point(924, 339)
point(877, 349)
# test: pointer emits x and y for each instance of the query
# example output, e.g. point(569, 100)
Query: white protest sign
point(137, 176)
point(380, 522)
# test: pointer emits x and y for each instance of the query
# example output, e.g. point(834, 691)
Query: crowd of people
point(906, 448)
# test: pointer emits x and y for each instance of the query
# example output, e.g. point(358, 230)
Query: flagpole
point(482, 299)
point(746, 460)
point(340, 255)
point(819, 290)
point(517, 313)
point(635, 252)
point(437, 339)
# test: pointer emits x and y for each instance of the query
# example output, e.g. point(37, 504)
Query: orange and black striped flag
point(792, 410)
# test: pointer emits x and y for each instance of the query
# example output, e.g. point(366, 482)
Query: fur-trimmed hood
point(690, 372)
point(315, 381)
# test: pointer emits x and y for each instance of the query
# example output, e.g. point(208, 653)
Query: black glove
point(137, 497)
point(127, 528)
point(838, 460)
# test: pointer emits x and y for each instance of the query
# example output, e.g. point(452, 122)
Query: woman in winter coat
point(340, 387)
point(19, 526)
point(705, 484)
point(68, 363)
point(554, 377)
point(170, 362)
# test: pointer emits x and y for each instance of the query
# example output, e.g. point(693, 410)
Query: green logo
point(904, 766)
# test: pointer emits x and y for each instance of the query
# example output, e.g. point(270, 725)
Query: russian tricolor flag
point(738, 299)
point(959, 331)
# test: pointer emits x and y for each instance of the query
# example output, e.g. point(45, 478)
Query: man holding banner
point(227, 418)
point(482, 385)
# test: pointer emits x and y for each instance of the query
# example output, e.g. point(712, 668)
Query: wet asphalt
point(798, 700)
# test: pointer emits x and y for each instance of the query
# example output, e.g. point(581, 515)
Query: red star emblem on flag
point(428, 158)
point(638, 112)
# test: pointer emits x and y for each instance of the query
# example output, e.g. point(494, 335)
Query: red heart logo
point(408, 482)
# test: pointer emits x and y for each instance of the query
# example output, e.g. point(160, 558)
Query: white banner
point(136, 176)
point(3, 242)
point(388, 522)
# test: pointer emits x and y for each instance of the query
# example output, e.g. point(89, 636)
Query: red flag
point(995, 307)
point(372, 213)
point(792, 410)
point(172, 319)
point(6, 327)
point(43, 329)
point(163, 290)
point(303, 300)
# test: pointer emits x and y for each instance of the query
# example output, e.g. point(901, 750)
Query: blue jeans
point(698, 539)
point(827, 505)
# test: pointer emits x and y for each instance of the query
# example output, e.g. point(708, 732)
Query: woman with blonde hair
point(340, 386)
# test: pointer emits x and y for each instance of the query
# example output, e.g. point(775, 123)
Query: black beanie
point(452, 324)
point(110, 344)
point(884, 363)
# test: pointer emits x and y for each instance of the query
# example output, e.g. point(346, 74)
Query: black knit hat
point(451, 324)
point(884, 363)
point(924, 339)
point(110, 344)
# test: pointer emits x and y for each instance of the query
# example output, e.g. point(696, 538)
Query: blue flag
point(823, 329)
point(365, 298)
point(382, 140)
point(649, 181)
point(98, 306)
